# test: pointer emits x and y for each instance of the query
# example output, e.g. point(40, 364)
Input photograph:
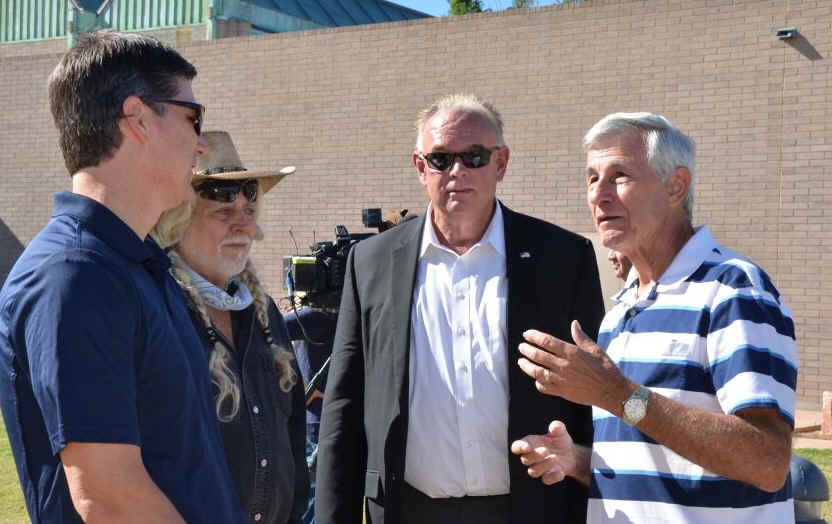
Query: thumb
point(556, 428)
point(581, 339)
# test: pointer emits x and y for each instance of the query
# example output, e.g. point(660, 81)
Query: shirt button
point(468, 445)
point(257, 517)
point(264, 462)
point(256, 410)
point(460, 295)
point(460, 331)
point(463, 369)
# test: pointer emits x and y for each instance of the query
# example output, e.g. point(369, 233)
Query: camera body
point(320, 275)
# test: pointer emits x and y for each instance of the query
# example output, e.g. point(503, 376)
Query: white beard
point(232, 265)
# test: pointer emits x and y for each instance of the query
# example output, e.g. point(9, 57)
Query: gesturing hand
point(583, 374)
point(549, 457)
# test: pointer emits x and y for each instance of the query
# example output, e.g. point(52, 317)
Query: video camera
point(320, 275)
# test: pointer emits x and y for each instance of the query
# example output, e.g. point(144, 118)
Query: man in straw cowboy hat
point(105, 396)
point(257, 396)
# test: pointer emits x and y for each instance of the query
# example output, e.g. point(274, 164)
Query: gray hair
point(668, 148)
point(168, 232)
point(461, 101)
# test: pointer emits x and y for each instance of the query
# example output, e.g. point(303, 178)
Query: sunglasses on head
point(199, 108)
point(477, 156)
point(226, 191)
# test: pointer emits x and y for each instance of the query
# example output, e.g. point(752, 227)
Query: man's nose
point(599, 192)
point(457, 168)
point(201, 146)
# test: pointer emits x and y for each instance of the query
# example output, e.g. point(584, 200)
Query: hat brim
point(267, 179)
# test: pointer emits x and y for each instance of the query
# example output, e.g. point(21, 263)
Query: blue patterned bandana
point(218, 298)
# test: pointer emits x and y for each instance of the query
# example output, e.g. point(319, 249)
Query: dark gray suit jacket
point(552, 279)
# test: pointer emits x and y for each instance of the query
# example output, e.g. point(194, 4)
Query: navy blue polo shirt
point(96, 345)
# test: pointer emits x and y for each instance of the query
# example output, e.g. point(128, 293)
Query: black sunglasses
point(226, 191)
point(477, 156)
point(199, 108)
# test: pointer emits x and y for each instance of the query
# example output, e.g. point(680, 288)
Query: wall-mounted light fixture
point(786, 33)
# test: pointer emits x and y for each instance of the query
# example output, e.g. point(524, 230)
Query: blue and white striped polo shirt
point(713, 333)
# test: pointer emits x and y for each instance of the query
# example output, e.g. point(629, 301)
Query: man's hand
point(549, 457)
point(583, 374)
point(553, 456)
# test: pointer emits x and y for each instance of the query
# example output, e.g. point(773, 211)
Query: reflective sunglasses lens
point(440, 161)
point(218, 193)
point(473, 159)
point(226, 191)
point(476, 158)
point(250, 188)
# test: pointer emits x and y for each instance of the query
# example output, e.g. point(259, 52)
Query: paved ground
point(806, 419)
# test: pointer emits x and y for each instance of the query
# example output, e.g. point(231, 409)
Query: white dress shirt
point(457, 440)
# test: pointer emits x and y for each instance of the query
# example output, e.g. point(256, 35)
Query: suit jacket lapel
point(403, 276)
point(520, 273)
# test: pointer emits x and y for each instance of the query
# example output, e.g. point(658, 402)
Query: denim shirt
point(265, 442)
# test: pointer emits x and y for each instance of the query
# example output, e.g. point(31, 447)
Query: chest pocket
point(676, 364)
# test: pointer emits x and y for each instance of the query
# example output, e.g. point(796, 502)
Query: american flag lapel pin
point(525, 254)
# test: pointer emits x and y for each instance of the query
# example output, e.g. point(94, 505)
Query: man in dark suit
point(423, 396)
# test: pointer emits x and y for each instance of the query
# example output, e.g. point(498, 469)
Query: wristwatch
point(635, 407)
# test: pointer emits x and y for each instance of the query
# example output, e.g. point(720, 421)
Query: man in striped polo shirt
point(692, 381)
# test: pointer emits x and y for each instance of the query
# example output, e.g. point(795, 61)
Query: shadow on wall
point(10, 250)
point(804, 47)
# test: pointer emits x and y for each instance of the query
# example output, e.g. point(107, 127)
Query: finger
point(528, 444)
point(539, 356)
point(543, 340)
point(544, 467)
point(540, 374)
point(523, 445)
point(536, 457)
point(553, 477)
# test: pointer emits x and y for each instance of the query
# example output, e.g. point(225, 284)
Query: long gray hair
point(168, 232)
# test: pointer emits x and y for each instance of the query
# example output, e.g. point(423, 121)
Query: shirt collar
point(109, 228)
point(687, 260)
point(494, 234)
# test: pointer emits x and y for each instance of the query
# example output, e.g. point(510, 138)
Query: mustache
point(236, 239)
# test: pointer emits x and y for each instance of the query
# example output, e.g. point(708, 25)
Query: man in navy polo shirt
point(104, 386)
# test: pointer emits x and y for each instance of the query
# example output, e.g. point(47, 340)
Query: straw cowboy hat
point(221, 162)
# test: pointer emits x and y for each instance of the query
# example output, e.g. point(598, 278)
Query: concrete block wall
point(339, 104)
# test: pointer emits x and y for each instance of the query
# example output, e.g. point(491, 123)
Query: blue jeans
point(309, 514)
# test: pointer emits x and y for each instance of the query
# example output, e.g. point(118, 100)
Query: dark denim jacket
point(265, 443)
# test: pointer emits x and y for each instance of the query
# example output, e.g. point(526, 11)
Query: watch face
point(634, 410)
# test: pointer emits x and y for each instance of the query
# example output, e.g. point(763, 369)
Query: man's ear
point(135, 121)
point(502, 155)
point(419, 164)
point(678, 185)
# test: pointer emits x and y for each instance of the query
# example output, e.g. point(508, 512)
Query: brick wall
point(339, 104)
